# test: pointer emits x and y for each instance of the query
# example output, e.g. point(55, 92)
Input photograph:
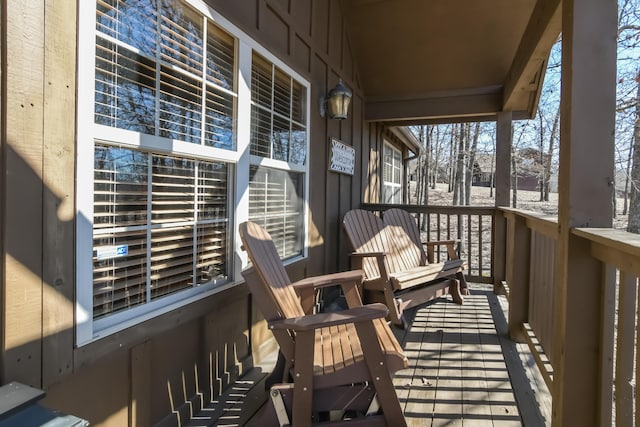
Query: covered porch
point(492, 361)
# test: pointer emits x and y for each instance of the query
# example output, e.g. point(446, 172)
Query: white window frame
point(88, 329)
point(391, 184)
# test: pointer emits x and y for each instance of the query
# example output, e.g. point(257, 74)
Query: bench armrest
point(381, 262)
point(323, 320)
point(451, 250)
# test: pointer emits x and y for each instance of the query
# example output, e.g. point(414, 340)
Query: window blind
point(276, 203)
point(148, 244)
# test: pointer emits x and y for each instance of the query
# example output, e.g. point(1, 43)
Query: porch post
point(585, 191)
point(502, 182)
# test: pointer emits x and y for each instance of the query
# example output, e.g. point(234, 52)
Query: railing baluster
point(460, 236)
point(625, 349)
point(480, 243)
point(438, 233)
point(637, 372)
point(607, 343)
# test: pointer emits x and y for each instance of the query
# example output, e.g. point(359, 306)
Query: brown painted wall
point(136, 377)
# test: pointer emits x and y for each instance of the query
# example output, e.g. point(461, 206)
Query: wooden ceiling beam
point(524, 81)
point(439, 107)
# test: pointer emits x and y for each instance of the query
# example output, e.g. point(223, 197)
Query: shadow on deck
point(463, 371)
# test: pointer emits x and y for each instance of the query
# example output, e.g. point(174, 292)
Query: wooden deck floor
point(463, 371)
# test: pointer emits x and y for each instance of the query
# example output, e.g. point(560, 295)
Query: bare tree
point(436, 144)
point(627, 181)
point(550, 153)
point(633, 225)
point(458, 184)
point(471, 160)
point(453, 153)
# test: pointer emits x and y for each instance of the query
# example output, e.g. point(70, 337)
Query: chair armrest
point(368, 254)
point(344, 278)
point(324, 320)
point(348, 280)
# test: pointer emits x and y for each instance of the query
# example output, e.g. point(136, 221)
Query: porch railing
point(532, 241)
point(473, 227)
point(530, 259)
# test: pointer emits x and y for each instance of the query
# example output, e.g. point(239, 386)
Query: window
point(278, 132)
point(278, 117)
point(161, 178)
point(162, 69)
point(391, 174)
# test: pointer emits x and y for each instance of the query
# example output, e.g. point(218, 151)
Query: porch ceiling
point(443, 60)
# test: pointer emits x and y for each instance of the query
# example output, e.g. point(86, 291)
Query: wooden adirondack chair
point(337, 363)
point(396, 270)
point(396, 217)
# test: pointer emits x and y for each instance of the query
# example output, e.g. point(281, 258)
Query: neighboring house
point(528, 169)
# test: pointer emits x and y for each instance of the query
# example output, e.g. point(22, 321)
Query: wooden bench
point(396, 217)
point(398, 272)
point(332, 363)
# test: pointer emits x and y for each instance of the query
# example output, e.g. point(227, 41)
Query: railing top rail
point(535, 216)
point(536, 221)
point(623, 241)
point(469, 210)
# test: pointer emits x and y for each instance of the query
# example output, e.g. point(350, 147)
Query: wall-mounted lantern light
point(336, 103)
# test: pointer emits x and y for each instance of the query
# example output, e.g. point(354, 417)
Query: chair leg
point(454, 290)
point(394, 306)
point(464, 286)
point(380, 375)
point(303, 379)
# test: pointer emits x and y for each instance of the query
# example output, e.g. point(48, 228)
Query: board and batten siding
point(311, 36)
point(139, 375)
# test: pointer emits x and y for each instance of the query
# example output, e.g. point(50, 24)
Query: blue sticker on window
point(108, 252)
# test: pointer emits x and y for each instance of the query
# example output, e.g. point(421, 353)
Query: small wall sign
point(343, 158)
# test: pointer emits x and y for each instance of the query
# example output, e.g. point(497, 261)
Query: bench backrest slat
point(368, 233)
point(399, 219)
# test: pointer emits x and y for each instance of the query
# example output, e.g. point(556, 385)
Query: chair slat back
point(264, 257)
point(364, 232)
point(368, 233)
point(401, 221)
